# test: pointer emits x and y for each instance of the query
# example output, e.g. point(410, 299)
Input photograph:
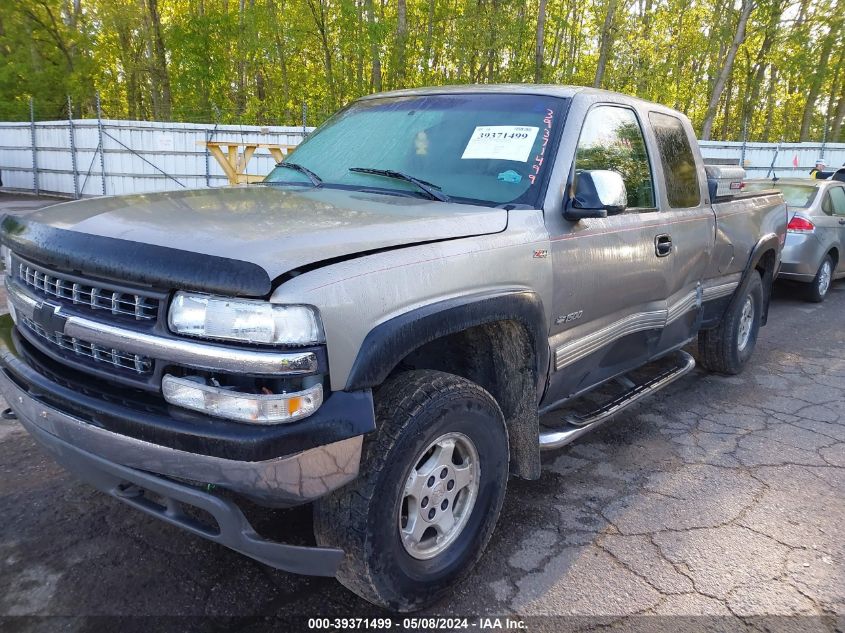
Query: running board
point(578, 425)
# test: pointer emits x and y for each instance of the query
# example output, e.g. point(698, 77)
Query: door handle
point(841, 221)
point(662, 245)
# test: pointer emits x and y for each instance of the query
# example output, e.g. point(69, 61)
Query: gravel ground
point(721, 499)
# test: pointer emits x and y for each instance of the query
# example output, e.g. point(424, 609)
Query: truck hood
point(279, 229)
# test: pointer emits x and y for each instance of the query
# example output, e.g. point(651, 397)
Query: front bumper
point(165, 499)
point(79, 432)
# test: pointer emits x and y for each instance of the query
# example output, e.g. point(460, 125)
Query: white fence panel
point(138, 156)
point(759, 156)
point(146, 156)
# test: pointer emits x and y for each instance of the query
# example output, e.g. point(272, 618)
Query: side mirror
point(598, 192)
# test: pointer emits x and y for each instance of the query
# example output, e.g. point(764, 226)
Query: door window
point(679, 168)
point(613, 139)
point(837, 200)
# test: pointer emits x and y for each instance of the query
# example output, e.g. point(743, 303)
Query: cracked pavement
point(719, 496)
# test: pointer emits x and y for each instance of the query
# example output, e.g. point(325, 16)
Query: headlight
point(243, 407)
point(244, 320)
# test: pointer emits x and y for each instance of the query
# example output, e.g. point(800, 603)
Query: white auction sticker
point(502, 142)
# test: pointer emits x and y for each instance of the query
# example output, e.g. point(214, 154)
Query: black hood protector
point(117, 259)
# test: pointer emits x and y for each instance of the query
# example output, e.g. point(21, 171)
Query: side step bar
point(578, 425)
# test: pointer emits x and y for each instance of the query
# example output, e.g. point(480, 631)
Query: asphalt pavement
point(719, 503)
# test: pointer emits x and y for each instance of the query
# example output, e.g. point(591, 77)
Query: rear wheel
point(818, 289)
point(431, 486)
point(726, 348)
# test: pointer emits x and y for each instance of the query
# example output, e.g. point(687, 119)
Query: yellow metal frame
point(234, 161)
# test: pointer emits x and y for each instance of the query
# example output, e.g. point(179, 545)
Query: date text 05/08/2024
point(410, 624)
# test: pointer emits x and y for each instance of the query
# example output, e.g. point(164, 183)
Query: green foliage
point(257, 61)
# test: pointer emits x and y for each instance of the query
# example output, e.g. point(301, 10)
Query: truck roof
point(551, 90)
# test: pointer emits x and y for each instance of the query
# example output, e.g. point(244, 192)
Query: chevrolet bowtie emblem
point(48, 316)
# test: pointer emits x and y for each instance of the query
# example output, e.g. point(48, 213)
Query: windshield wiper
point(430, 189)
point(314, 178)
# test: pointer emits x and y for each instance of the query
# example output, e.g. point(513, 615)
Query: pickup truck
point(377, 327)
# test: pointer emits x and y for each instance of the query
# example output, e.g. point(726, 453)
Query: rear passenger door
point(690, 224)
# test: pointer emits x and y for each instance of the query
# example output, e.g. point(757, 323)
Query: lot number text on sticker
point(502, 142)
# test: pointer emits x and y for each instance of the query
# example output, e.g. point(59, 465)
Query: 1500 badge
point(566, 318)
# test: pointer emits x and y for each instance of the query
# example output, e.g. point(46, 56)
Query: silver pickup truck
point(377, 328)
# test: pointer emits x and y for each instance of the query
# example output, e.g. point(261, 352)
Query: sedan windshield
point(488, 149)
point(798, 196)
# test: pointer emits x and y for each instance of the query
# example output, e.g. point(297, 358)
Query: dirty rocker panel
point(607, 353)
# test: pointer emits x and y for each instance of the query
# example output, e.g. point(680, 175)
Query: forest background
point(764, 70)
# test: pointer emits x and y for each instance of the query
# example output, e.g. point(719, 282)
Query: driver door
point(611, 278)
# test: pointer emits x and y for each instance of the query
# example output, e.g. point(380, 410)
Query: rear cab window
point(680, 172)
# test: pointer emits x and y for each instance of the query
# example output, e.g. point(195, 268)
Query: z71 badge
point(541, 253)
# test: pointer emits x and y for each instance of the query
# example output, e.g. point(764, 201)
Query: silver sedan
point(813, 253)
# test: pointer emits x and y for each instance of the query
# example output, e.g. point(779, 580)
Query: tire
point(817, 290)
point(726, 348)
point(413, 410)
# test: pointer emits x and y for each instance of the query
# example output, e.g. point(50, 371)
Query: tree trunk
point(538, 49)
point(575, 40)
point(429, 39)
point(835, 87)
point(759, 70)
point(376, 61)
point(727, 109)
point(819, 73)
point(836, 134)
point(240, 97)
point(318, 12)
point(727, 67)
point(642, 72)
point(161, 78)
point(606, 43)
point(770, 103)
point(398, 70)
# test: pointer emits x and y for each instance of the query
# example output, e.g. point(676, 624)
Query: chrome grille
point(94, 297)
point(114, 357)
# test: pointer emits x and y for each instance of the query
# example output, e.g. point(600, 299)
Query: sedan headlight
point(245, 320)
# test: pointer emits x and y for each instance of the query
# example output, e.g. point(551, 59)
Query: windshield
point(479, 148)
point(799, 196)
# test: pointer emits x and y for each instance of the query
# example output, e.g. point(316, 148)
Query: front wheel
point(726, 348)
point(818, 288)
point(431, 486)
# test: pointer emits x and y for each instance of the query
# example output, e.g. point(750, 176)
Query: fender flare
point(769, 242)
point(389, 342)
